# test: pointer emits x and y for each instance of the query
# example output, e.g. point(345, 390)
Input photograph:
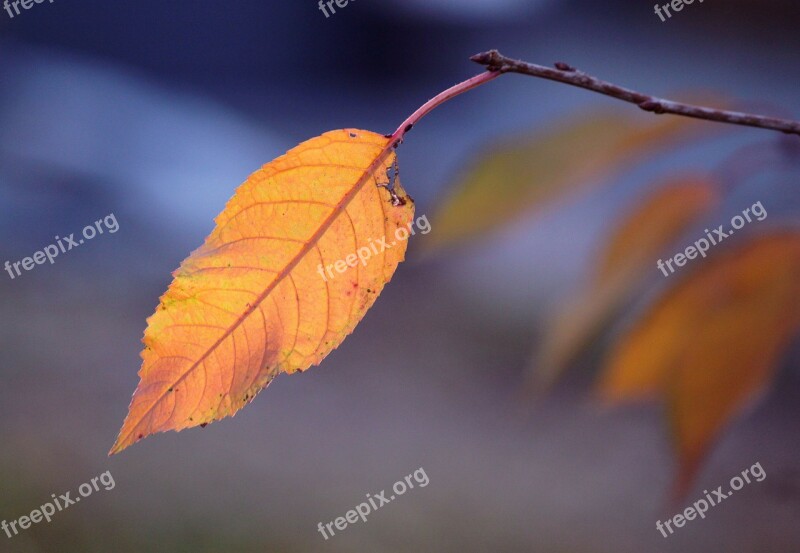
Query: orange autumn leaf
point(256, 299)
point(713, 343)
point(646, 230)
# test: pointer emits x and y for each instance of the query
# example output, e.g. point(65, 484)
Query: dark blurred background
point(156, 111)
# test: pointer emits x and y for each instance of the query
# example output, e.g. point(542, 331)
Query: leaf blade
point(285, 220)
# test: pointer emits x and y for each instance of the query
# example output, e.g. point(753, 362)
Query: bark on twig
point(495, 62)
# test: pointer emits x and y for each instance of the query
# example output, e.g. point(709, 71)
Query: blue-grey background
point(156, 111)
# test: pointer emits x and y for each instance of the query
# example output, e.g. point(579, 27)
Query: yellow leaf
point(510, 180)
point(712, 344)
point(258, 298)
point(633, 249)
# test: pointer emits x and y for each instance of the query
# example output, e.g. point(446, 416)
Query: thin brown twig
point(564, 73)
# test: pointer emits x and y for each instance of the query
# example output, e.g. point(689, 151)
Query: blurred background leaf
point(712, 344)
point(652, 224)
point(509, 180)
